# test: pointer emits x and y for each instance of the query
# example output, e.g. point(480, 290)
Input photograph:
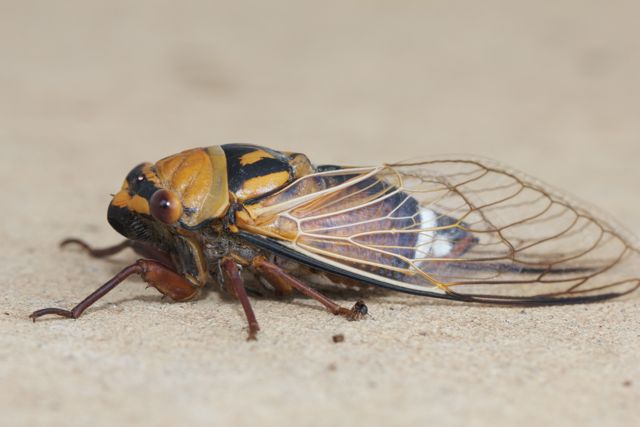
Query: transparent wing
point(466, 228)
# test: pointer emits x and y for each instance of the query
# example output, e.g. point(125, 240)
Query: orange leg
point(275, 274)
point(165, 280)
point(232, 277)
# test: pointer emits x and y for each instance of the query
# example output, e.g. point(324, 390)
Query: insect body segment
point(458, 229)
point(257, 172)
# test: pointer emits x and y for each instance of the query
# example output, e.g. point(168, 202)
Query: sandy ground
point(89, 90)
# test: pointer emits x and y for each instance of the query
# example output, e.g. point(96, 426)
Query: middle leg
point(231, 275)
point(275, 274)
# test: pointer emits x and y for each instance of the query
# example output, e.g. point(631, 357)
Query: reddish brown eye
point(165, 207)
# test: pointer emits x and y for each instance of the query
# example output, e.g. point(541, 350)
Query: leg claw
point(253, 332)
point(357, 312)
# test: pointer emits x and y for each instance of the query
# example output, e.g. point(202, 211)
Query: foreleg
point(165, 280)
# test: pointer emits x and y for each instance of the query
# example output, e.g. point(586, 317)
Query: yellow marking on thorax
point(260, 185)
point(254, 156)
point(219, 197)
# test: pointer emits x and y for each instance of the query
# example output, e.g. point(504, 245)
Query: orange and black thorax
point(206, 181)
point(257, 172)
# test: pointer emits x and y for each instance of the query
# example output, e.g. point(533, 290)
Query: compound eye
point(165, 206)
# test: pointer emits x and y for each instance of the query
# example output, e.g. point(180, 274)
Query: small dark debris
point(627, 383)
point(332, 367)
point(338, 338)
point(7, 313)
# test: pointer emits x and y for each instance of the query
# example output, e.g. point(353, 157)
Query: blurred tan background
point(89, 89)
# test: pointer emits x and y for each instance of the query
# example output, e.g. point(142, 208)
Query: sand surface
point(89, 89)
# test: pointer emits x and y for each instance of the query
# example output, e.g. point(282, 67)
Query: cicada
point(458, 229)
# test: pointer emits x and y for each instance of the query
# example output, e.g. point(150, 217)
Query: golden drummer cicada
point(457, 229)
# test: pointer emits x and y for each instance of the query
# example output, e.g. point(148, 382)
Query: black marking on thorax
point(238, 173)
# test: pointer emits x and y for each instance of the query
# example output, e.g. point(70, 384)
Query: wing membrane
point(467, 228)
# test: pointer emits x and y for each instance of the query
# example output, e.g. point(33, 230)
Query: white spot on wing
point(429, 243)
point(425, 238)
point(440, 248)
